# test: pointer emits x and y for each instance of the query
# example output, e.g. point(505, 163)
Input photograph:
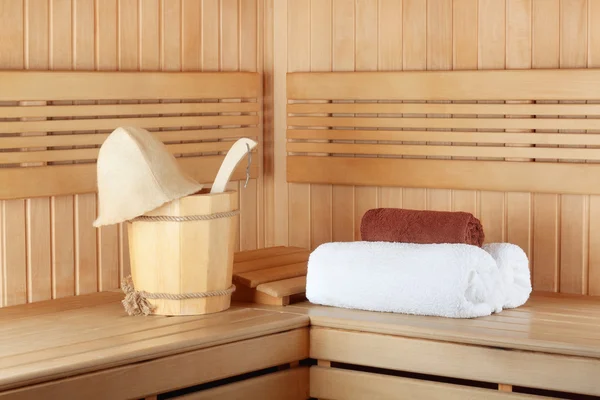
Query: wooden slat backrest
point(503, 130)
point(52, 124)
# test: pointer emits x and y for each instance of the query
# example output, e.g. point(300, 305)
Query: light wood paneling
point(290, 384)
point(340, 384)
point(105, 349)
point(531, 369)
point(60, 178)
point(555, 230)
point(49, 247)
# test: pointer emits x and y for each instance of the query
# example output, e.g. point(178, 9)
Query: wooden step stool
point(274, 276)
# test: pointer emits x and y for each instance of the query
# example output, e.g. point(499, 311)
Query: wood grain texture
point(106, 346)
point(292, 384)
point(574, 209)
point(254, 278)
point(594, 201)
point(381, 351)
point(458, 35)
point(52, 248)
point(546, 207)
point(338, 384)
point(299, 60)
point(343, 59)
point(321, 33)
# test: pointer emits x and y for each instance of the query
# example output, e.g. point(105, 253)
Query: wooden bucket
point(186, 257)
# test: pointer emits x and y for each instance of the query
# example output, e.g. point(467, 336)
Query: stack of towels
point(420, 262)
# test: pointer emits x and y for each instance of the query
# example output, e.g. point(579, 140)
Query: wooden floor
point(550, 323)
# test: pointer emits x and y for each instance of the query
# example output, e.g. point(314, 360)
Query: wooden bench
point(550, 346)
point(87, 347)
point(529, 136)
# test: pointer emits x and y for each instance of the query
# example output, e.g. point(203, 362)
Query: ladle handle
point(235, 154)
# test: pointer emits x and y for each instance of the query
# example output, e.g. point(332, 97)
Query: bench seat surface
point(61, 338)
point(550, 323)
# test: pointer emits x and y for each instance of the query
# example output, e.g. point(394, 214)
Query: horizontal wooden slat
point(268, 252)
point(86, 139)
point(286, 287)
point(447, 136)
point(573, 178)
point(555, 323)
point(110, 123)
point(16, 183)
point(447, 123)
point(429, 108)
point(254, 278)
point(192, 368)
point(48, 156)
point(92, 154)
point(548, 84)
point(289, 384)
point(43, 308)
point(125, 109)
point(455, 151)
point(84, 85)
point(341, 384)
point(530, 369)
point(276, 260)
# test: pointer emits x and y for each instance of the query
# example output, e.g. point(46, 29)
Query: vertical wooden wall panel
point(149, 35)
point(191, 35)
point(84, 46)
point(128, 30)
point(128, 35)
point(279, 217)
point(299, 60)
point(546, 207)
point(226, 14)
point(171, 35)
point(462, 34)
point(414, 53)
point(63, 232)
point(12, 30)
point(249, 196)
point(107, 59)
point(464, 38)
point(321, 35)
point(366, 56)
point(49, 247)
point(204, 38)
point(594, 217)
point(343, 48)
point(518, 55)
point(491, 53)
point(574, 208)
point(39, 270)
point(439, 57)
point(390, 59)
point(272, 88)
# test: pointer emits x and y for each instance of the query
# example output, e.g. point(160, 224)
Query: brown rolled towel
point(421, 226)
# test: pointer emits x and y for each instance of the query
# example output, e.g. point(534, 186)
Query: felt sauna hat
point(136, 174)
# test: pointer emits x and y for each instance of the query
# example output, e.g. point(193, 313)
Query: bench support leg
point(504, 388)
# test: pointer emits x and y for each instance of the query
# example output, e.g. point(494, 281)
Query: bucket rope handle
point(136, 302)
point(173, 218)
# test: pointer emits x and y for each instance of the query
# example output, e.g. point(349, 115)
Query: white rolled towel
point(513, 265)
point(449, 280)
